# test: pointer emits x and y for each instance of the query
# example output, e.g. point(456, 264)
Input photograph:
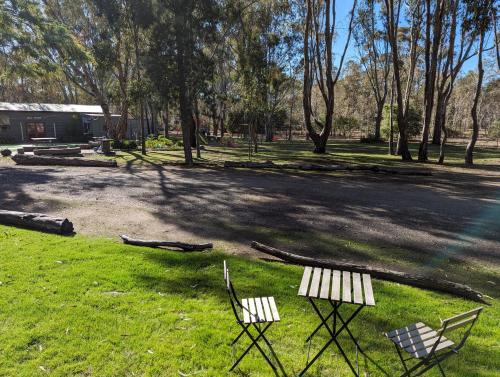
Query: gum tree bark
point(184, 98)
point(402, 99)
point(318, 67)
point(434, 17)
point(469, 159)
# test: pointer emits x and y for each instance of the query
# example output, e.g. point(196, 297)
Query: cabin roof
point(50, 107)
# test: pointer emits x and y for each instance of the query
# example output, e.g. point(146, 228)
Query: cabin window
point(35, 130)
point(4, 122)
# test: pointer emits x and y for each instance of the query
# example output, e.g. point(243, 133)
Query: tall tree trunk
point(184, 98)
point(321, 31)
point(146, 115)
point(221, 125)
point(378, 119)
point(497, 35)
point(438, 119)
point(475, 123)
point(197, 127)
point(122, 126)
point(402, 121)
point(166, 120)
point(268, 127)
point(143, 137)
point(192, 129)
point(108, 120)
point(431, 60)
point(391, 120)
point(139, 79)
point(443, 139)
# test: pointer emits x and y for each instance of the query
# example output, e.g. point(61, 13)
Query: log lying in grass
point(318, 167)
point(62, 161)
point(414, 280)
point(36, 221)
point(169, 244)
point(57, 152)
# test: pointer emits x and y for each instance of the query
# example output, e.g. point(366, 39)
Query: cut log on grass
point(318, 167)
point(62, 161)
point(168, 244)
point(36, 221)
point(414, 280)
point(57, 152)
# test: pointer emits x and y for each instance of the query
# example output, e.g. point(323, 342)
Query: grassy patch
point(338, 152)
point(93, 307)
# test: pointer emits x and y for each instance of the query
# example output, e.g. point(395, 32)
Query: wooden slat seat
point(418, 339)
point(259, 310)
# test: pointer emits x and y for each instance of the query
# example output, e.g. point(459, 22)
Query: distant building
point(19, 122)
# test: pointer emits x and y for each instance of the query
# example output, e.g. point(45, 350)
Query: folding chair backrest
point(459, 321)
point(230, 290)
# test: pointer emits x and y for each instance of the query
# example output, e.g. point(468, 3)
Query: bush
point(228, 141)
point(414, 122)
point(124, 144)
point(345, 125)
point(6, 152)
point(161, 142)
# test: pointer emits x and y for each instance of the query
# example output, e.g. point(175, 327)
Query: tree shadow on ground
point(432, 225)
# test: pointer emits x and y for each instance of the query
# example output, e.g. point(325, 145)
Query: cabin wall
point(66, 127)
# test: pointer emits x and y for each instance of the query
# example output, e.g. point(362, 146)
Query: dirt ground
point(453, 214)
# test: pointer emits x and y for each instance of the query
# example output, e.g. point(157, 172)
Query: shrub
point(124, 144)
point(228, 141)
point(346, 125)
point(414, 122)
point(161, 142)
point(6, 152)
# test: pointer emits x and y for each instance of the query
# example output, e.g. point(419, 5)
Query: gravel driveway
point(453, 214)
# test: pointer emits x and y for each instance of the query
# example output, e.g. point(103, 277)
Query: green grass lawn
point(93, 307)
point(342, 152)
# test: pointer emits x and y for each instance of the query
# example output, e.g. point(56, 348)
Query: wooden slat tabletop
point(341, 286)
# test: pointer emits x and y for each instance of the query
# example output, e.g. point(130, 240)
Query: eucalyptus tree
point(495, 9)
point(480, 20)
point(263, 39)
point(319, 33)
point(434, 16)
point(373, 47)
point(182, 39)
point(392, 13)
point(76, 37)
point(458, 40)
point(125, 20)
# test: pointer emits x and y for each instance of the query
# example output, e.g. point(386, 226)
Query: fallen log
point(169, 244)
point(62, 161)
point(36, 221)
point(318, 167)
point(57, 151)
point(413, 280)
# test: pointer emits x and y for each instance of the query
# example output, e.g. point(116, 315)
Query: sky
point(343, 8)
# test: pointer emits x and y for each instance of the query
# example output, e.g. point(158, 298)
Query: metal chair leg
point(439, 366)
point(272, 350)
point(402, 361)
point(239, 336)
point(256, 344)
